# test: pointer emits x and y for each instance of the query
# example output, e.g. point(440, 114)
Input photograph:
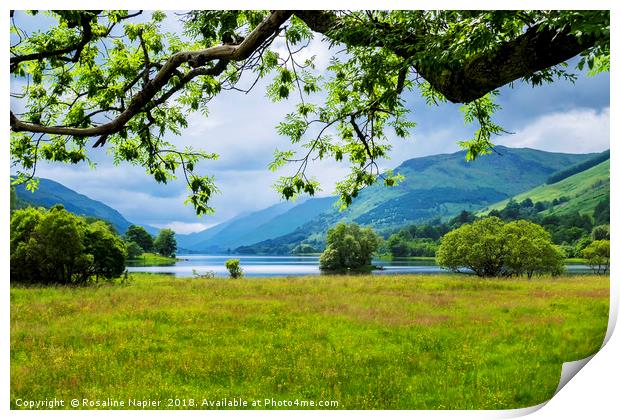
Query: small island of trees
point(349, 247)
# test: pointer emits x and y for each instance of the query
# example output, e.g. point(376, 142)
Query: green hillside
point(583, 190)
point(580, 167)
point(443, 185)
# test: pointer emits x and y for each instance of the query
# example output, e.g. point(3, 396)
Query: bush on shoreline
point(490, 248)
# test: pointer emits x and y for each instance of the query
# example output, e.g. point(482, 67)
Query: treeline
point(490, 247)
point(56, 246)
point(422, 240)
point(140, 241)
point(580, 167)
point(572, 231)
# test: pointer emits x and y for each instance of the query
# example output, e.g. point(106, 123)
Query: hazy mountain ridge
point(261, 225)
point(50, 193)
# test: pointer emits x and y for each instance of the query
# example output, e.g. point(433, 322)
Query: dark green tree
point(600, 233)
point(512, 211)
point(462, 218)
point(568, 234)
point(539, 206)
point(53, 251)
point(576, 219)
point(349, 247)
point(140, 236)
point(398, 246)
point(166, 243)
point(118, 80)
point(57, 247)
point(526, 203)
point(601, 212)
point(427, 231)
point(107, 249)
point(423, 248)
point(133, 250)
point(23, 225)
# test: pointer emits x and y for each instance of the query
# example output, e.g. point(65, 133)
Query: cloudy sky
point(561, 117)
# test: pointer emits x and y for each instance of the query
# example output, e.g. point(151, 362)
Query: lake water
point(271, 266)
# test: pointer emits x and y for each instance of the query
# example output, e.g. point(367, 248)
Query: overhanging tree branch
point(142, 85)
point(195, 59)
point(76, 48)
point(536, 49)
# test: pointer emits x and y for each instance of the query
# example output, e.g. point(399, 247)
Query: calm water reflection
point(267, 266)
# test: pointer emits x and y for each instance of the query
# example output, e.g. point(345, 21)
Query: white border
point(592, 393)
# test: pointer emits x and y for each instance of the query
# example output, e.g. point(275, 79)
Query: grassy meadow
point(388, 342)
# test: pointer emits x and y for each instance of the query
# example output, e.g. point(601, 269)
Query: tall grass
point(390, 342)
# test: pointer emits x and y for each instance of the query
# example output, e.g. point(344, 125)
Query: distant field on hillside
point(584, 191)
point(391, 342)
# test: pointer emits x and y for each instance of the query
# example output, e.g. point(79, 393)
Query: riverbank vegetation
point(490, 248)
point(392, 342)
point(55, 246)
point(139, 241)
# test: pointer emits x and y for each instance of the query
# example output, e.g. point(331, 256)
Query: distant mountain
point(443, 185)
point(436, 186)
point(579, 192)
point(271, 222)
point(51, 193)
point(219, 237)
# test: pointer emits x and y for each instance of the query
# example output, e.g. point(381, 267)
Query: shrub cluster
point(490, 247)
point(234, 269)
